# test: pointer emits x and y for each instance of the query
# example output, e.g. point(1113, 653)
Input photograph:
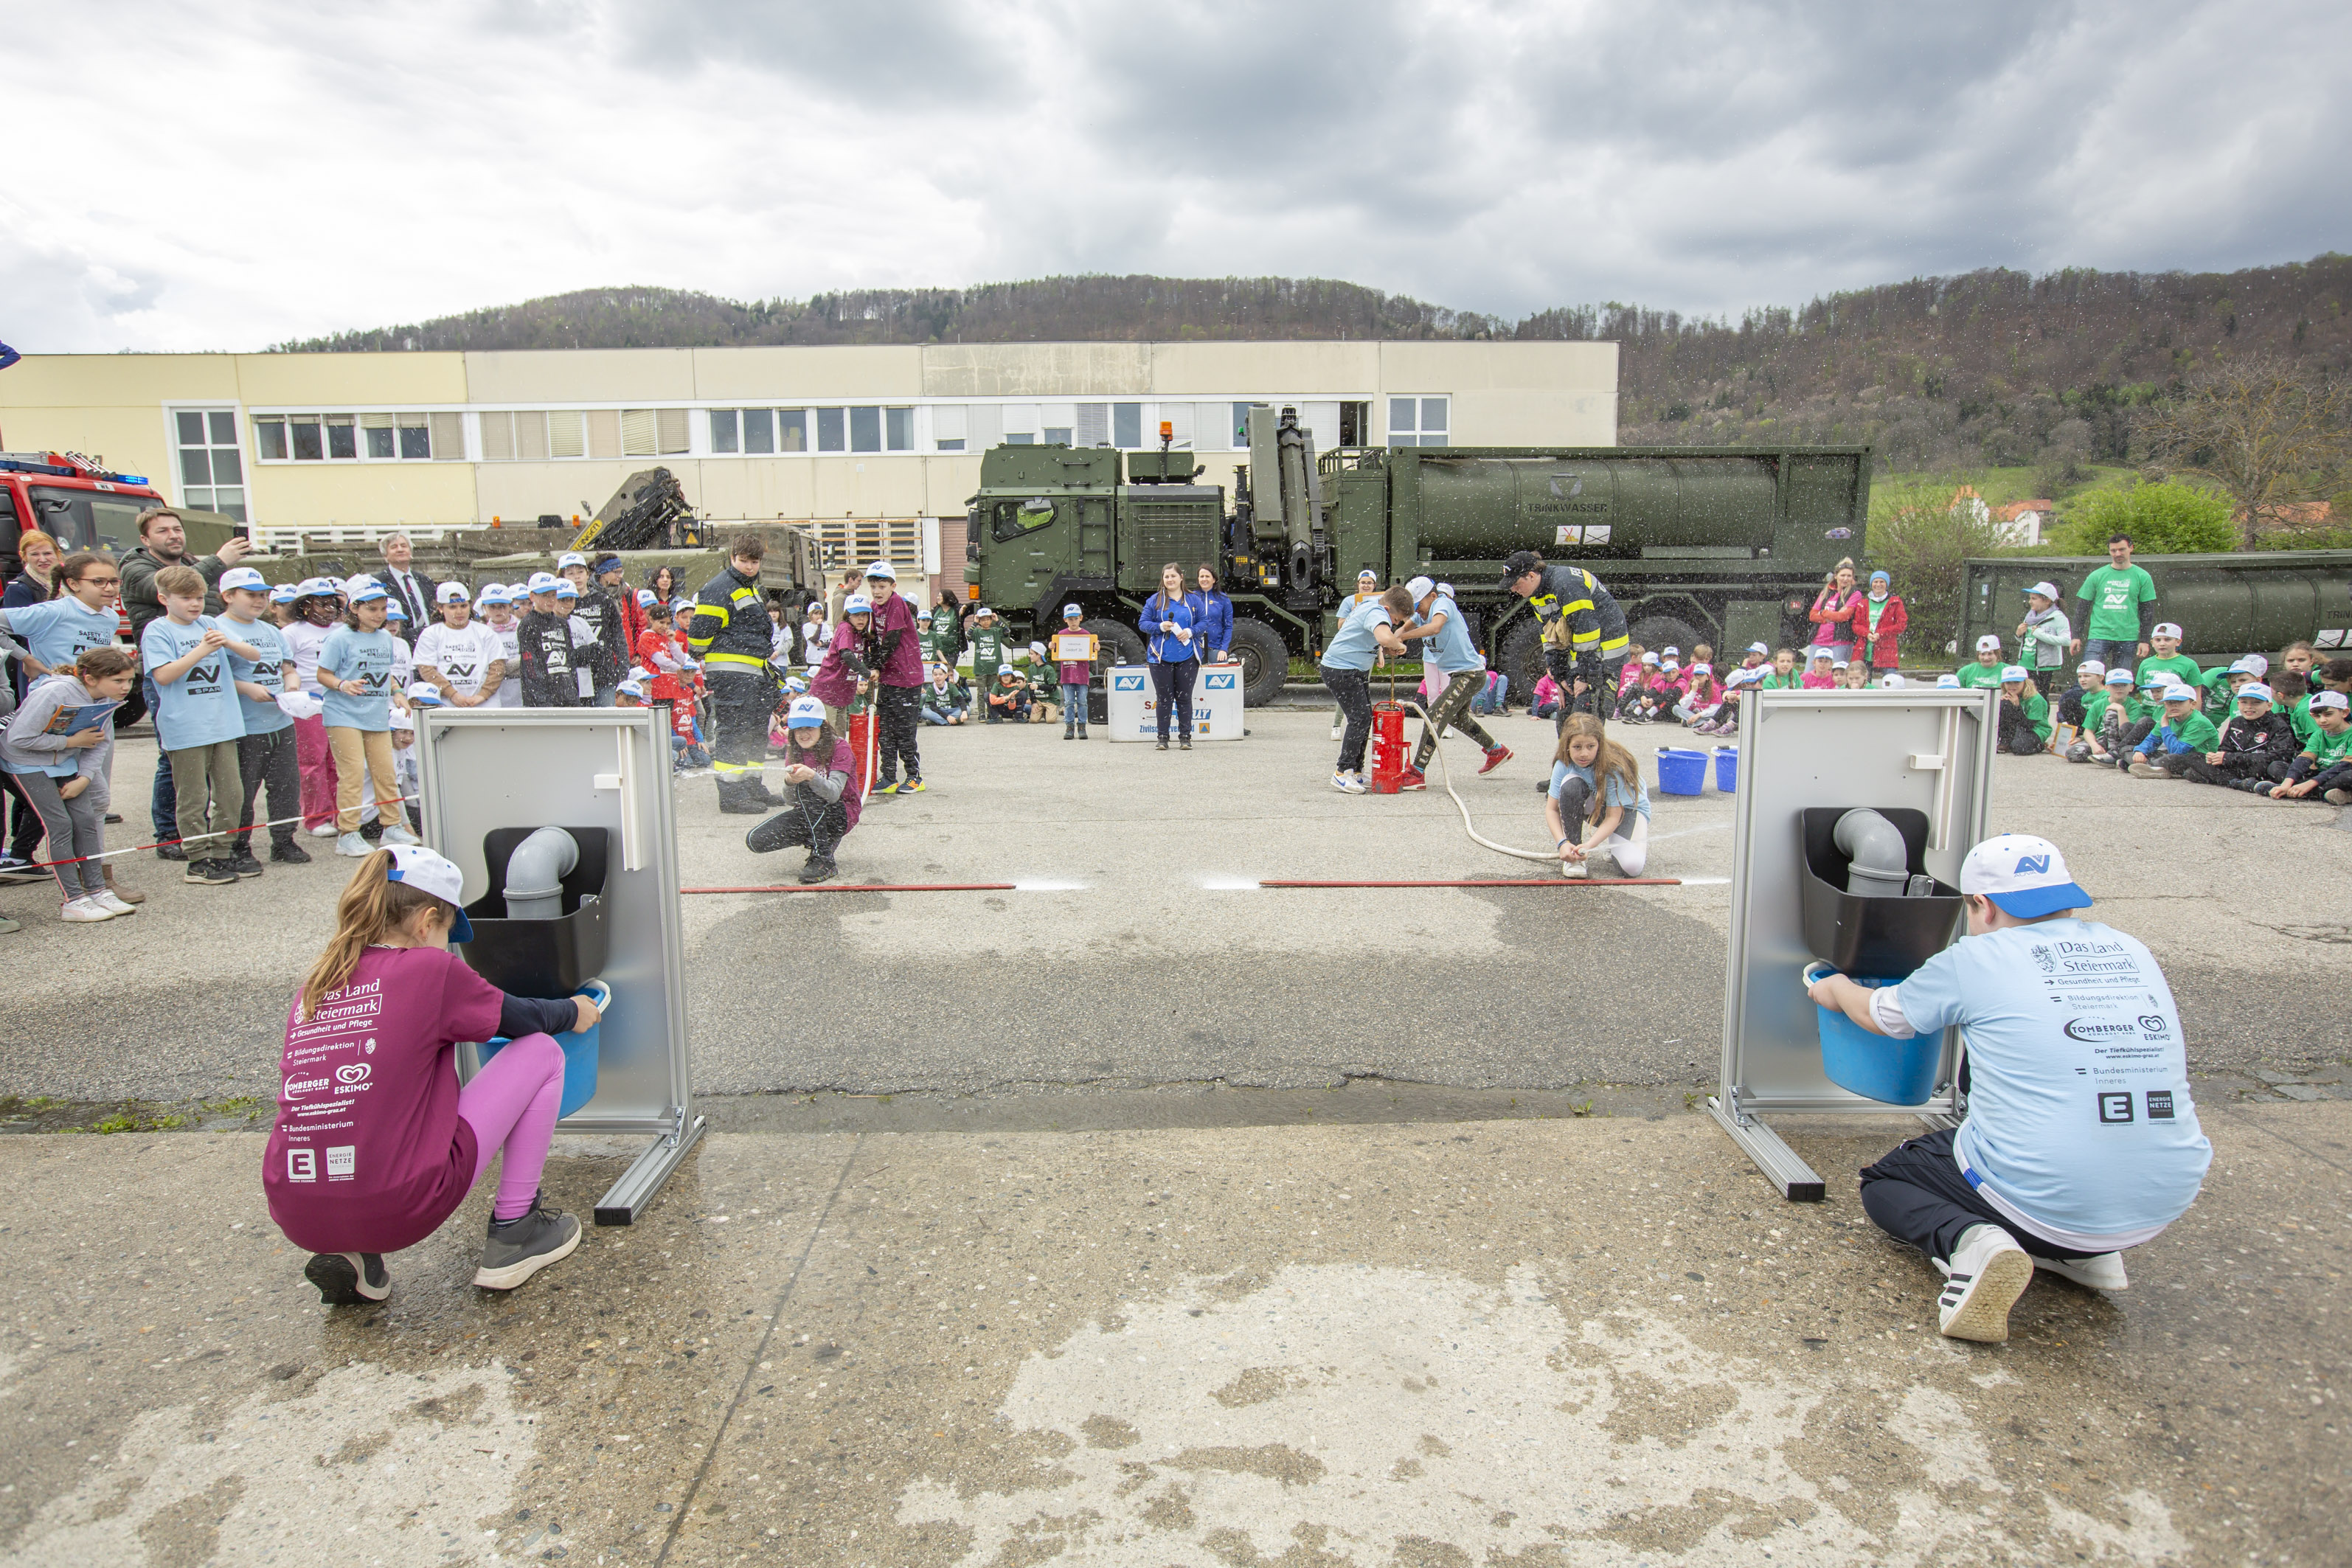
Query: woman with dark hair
point(823, 806)
point(663, 581)
point(1833, 615)
point(1168, 620)
point(1216, 638)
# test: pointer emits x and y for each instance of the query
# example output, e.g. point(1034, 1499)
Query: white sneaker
point(352, 845)
point(400, 836)
point(106, 900)
point(324, 830)
point(2102, 1271)
point(1574, 868)
point(83, 910)
point(1989, 1273)
point(1347, 784)
point(1337, 732)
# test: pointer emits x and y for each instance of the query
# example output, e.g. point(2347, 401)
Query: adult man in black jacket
point(730, 634)
point(1584, 634)
point(413, 588)
point(609, 661)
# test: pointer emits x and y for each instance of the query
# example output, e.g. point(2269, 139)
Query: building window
point(866, 429)
point(950, 426)
point(832, 430)
point(1419, 421)
point(342, 436)
point(212, 464)
point(723, 425)
point(898, 429)
point(1057, 434)
point(792, 430)
point(1127, 425)
point(759, 430)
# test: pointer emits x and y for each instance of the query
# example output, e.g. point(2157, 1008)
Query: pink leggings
point(511, 1104)
point(316, 761)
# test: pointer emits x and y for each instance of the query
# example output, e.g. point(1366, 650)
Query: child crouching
point(375, 1143)
point(1597, 804)
point(823, 806)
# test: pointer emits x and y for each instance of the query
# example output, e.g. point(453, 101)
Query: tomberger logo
point(296, 1088)
point(2091, 1031)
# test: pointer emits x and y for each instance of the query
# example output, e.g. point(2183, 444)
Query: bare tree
point(2262, 427)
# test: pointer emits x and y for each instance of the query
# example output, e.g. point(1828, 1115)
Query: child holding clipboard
point(1073, 675)
point(61, 746)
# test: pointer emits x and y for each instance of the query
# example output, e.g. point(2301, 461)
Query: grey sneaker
point(349, 1278)
point(519, 1249)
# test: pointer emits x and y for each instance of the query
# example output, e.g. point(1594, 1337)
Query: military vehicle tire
point(1265, 661)
point(1522, 660)
point(1659, 633)
point(1121, 644)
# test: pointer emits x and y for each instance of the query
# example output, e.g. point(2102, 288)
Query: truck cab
point(75, 502)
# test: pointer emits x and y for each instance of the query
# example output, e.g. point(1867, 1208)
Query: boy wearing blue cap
point(2183, 737)
point(2081, 1139)
point(198, 720)
point(2324, 766)
point(2254, 740)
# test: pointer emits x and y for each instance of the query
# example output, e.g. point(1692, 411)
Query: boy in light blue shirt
point(197, 720)
point(1447, 649)
point(2080, 1138)
point(264, 753)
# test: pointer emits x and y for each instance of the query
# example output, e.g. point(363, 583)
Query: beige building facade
point(359, 444)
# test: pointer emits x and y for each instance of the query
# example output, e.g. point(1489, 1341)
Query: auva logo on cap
point(2032, 865)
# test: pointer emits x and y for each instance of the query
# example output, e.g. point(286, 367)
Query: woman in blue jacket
point(1169, 621)
point(1214, 635)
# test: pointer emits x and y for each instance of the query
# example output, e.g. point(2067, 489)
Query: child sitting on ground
point(1008, 699)
point(2336, 675)
point(1641, 702)
point(2024, 714)
point(2073, 707)
point(1597, 804)
point(1701, 697)
point(1547, 702)
point(2253, 740)
point(2112, 723)
point(1986, 670)
point(2324, 766)
point(1822, 675)
point(2183, 737)
point(350, 1176)
point(1756, 656)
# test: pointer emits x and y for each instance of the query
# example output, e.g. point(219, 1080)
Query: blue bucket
point(1681, 771)
point(1899, 1072)
point(1726, 769)
point(578, 1052)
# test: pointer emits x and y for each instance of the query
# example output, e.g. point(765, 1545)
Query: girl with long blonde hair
point(1596, 805)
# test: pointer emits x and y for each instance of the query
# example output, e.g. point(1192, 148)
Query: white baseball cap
point(1649, 659)
point(1988, 643)
point(884, 569)
point(243, 577)
point(1702, 669)
point(2009, 672)
point(2096, 667)
point(805, 713)
point(1069, 610)
point(429, 871)
point(2179, 694)
point(1841, 664)
point(2320, 699)
point(795, 685)
point(2243, 666)
point(2047, 590)
point(1005, 669)
point(360, 589)
point(1446, 589)
point(2024, 875)
point(285, 593)
point(569, 559)
point(315, 587)
point(425, 694)
point(2165, 629)
point(1948, 683)
point(1670, 652)
point(542, 582)
point(451, 594)
point(633, 687)
point(1759, 647)
point(1368, 575)
point(1420, 588)
point(2254, 689)
point(494, 594)
point(2119, 675)
point(858, 605)
point(2256, 662)
point(1892, 678)
point(565, 590)
point(980, 610)
point(402, 721)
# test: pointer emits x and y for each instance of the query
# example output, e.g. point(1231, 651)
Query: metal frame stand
point(1916, 748)
point(488, 768)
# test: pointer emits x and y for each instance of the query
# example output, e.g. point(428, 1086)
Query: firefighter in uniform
point(1584, 634)
point(730, 634)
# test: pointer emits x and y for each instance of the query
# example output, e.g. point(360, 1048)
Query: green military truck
point(1725, 545)
point(2225, 605)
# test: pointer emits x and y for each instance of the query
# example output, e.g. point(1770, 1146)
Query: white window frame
point(246, 452)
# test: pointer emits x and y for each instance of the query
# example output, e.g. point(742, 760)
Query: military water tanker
point(1725, 545)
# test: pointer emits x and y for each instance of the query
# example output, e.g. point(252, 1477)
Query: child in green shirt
point(2072, 713)
point(1784, 675)
point(2183, 737)
point(2024, 715)
point(2114, 720)
point(1986, 670)
point(2325, 765)
point(2220, 686)
point(2168, 660)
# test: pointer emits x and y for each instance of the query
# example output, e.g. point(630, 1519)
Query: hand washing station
point(1855, 811)
point(561, 820)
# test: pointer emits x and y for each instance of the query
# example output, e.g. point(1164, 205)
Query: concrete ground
point(1029, 1264)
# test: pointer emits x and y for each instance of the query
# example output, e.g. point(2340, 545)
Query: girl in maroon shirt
point(375, 1143)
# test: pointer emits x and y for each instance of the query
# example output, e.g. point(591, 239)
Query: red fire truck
point(74, 500)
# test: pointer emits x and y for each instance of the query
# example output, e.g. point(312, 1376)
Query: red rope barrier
point(1502, 882)
point(864, 887)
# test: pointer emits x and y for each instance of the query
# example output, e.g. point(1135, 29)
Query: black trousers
point(24, 828)
point(1915, 1194)
point(816, 824)
point(2228, 769)
point(898, 715)
point(270, 759)
point(1452, 711)
point(739, 705)
point(1352, 690)
point(2017, 734)
point(1173, 683)
point(1600, 677)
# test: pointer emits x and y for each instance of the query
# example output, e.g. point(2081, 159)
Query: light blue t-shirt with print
point(1614, 795)
point(57, 631)
point(268, 672)
point(2079, 1116)
point(365, 660)
point(1451, 649)
point(1353, 645)
point(200, 707)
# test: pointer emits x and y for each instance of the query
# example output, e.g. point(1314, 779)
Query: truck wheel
point(1658, 633)
point(1265, 661)
point(1522, 661)
point(1121, 644)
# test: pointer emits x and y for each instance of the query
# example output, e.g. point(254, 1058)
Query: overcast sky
point(224, 177)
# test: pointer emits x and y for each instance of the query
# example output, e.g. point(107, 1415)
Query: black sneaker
point(112, 817)
point(290, 853)
point(20, 869)
point(519, 1249)
point(349, 1278)
point(170, 852)
point(211, 873)
point(242, 864)
point(1184, 745)
point(372, 831)
point(820, 868)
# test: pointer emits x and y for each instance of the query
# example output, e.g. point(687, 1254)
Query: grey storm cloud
point(438, 154)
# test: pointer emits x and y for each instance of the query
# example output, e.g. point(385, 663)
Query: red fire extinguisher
point(1388, 747)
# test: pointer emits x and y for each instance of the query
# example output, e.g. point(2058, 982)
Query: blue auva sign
point(1127, 682)
point(1219, 683)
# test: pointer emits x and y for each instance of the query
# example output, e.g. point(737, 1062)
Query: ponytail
point(373, 907)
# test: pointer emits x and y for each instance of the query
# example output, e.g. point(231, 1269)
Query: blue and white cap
point(452, 594)
point(243, 577)
point(883, 570)
point(2024, 875)
point(396, 610)
point(542, 582)
point(2241, 666)
point(633, 688)
point(425, 694)
point(795, 685)
point(1069, 610)
point(285, 593)
point(646, 598)
point(1420, 588)
point(2254, 689)
point(2119, 675)
point(1947, 682)
point(1988, 643)
point(565, 590)
point(2178, 693)
point(1759, 647)
point(315, 588)
point(681, 607)
point(493, 594)
point(2009, 672)
point(569, 559)
point(2047, 590)
point(858, 605)
point(805, 713)
point(429, 871)
point(360, 590)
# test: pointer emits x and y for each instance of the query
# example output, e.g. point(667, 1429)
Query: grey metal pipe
point(535, 874)
point(1880, 865)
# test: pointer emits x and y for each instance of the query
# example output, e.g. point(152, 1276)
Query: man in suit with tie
point(413, 589)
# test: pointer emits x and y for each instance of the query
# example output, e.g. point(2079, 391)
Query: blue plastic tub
point(578, 1052)
point(1900, 1072)
point(1726, 769)
point(1681, 771)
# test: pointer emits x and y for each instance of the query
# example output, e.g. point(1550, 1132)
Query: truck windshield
point(1016, 518)
point(89, 520)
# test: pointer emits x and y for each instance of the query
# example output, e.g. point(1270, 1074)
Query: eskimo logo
point(2091, 1031)
point(1128, 682)
point(2032, 865)
point(2154, 1024)
point(356, 1072)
